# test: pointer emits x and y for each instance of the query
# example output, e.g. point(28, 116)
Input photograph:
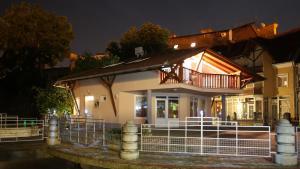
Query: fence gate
point(16, 129)
point(207, 136)
point(83, 131)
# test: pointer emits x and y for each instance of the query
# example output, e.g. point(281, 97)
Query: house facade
point(157, 89)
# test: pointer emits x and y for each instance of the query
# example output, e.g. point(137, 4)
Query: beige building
point(157, 89)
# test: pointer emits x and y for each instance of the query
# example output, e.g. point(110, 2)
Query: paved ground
point(30, 155)
point(110, 159)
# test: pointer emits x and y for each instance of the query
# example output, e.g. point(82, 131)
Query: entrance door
point(167, 111)
point(161, 112)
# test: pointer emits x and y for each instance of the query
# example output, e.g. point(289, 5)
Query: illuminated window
point(282, 80)
point(193, 44)
point(176, 46)
point(141, 106)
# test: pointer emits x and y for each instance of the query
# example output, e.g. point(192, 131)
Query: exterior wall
point(125, 88)
point(287, 68)
point(268, 72)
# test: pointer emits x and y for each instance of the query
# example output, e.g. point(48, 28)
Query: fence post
point(218, 136)
point(185, 136)
point(70, 130)
point(78, 133)
point(141, 137)
point(86, 131)
point(236, 139)
point(94, 131)
point(201, 135)
point(168, 136)
point(103, 132)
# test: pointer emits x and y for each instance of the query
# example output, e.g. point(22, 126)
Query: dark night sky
point(97, 22)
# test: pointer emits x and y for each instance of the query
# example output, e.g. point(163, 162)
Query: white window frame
point(282, 75)
point(167, 97)
point(135, 117)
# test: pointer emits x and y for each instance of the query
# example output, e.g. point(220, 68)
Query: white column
point(149, 104)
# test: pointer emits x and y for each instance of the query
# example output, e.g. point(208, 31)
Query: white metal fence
point(207, 136)
point(298, 140)
point(14, 129)
point(83, 131)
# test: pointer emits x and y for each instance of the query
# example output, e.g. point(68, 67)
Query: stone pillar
point(53, 132)
point(286, 149)
point(129, 149)
point(149, 106)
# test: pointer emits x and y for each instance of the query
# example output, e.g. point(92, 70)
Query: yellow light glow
point(176, 46)
point(219, 71)
point(193, 44)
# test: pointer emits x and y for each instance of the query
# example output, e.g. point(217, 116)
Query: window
point(141, 106)
point(173, 107)
point(282, 80)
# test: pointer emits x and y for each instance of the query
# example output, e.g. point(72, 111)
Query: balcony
point(201, 80)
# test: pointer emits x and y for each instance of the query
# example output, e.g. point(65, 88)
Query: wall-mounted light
point(176, 46)
point(89, 98)
point(193, 44)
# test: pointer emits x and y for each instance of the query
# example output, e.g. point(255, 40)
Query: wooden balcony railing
point(203, 80)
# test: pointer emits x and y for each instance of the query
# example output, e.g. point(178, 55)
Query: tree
point(31, 38)
point(88, 61)
point(153, 38)
point(54, 100)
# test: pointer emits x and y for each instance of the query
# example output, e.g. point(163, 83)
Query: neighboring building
point(263, 50)
point(157, 88)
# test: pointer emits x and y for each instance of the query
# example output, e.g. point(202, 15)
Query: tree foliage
point(88, 61)
point(53, 99)
point(32, 37)
point(153, 38)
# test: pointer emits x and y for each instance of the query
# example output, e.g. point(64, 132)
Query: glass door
point(167, 111)
point(161, 112)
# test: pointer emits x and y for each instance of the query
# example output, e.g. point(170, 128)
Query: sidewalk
point(110, 159)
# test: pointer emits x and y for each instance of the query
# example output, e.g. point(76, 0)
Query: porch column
point(223, 116)
point(149, 108)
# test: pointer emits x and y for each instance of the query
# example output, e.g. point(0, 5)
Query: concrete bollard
point(53, 132)
point(286, 148)
point(129, 149)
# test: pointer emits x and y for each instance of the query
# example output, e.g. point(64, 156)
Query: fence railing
point(14, 129)
point(83, 131)
point(206, 137)
point(204, 80)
